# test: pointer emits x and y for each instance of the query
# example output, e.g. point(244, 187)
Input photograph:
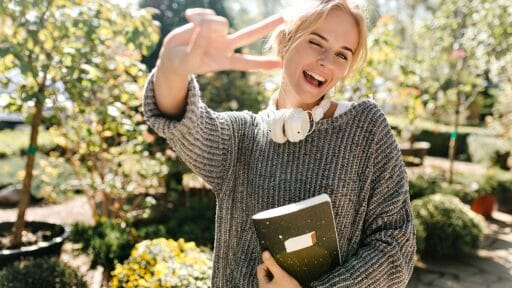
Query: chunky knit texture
point(354, 158)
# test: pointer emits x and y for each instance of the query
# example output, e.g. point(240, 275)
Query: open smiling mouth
point(313, 79)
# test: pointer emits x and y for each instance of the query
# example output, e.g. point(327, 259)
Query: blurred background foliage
point(437, 68)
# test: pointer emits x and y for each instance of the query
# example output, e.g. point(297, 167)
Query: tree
point(73, 53)
point(502, 120)
point(461, 43)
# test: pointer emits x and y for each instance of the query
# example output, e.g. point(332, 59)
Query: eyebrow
point(325, 39)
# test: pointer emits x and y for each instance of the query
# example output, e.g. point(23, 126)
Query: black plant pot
point(51, 247)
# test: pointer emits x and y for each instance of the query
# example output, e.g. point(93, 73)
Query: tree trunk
point(455, 132)
point(27, 181)
point(106, 278)
point(453, 139)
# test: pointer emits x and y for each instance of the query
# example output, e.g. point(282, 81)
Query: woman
point(257, 162)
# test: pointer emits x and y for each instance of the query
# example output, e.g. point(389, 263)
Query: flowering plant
point(165, 263)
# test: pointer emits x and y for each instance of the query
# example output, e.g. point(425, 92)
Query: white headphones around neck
point(293, 124)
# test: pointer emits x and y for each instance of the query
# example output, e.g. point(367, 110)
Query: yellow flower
point(165, 263)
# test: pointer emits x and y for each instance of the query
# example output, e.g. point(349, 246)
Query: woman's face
point(314, 65)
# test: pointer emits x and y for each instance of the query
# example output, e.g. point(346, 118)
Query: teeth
point(317, 77)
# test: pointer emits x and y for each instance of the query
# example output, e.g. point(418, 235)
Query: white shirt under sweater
point(352, 157)
point(342, 107)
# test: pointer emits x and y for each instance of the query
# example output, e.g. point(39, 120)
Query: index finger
point(256, 31)
point(262, 274)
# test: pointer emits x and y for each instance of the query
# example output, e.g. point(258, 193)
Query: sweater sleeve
point(386, 255)
point(201, 138)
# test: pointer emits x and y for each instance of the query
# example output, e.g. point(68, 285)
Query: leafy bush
point(165, 263)
point(108, 242)
point(466, 192)
point(112, 167)
point(496, 182)
point(468, 187)
point(424, 185)
point(420, 235)
point(195, 222)
point(40, 272)
point(465, 186)
point(450, 227)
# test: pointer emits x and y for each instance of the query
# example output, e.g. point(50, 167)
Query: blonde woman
point(303, 145)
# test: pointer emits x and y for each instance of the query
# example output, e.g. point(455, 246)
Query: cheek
point(303, 53)
point(292, 64)
point(341, 70)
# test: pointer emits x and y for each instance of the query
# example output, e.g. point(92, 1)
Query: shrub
point(108, 242)
point(425, 185)
point(193, 222)
point(420, 235)
point(40, 272)
point(496, 182)
point(466, 192)
point(451, 228)
point(464, 187)
point(164, 263)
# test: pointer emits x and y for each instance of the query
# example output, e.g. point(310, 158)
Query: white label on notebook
point(300, 242)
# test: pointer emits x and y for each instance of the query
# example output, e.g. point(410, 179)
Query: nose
point(324, 60)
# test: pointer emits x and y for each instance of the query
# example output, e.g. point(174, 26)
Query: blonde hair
point(301, 23)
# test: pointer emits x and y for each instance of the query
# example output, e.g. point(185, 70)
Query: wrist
point(168, 69)
point(166, 76)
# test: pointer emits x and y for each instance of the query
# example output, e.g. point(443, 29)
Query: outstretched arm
point(204, 140)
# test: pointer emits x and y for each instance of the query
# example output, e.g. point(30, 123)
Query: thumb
point(271, 264)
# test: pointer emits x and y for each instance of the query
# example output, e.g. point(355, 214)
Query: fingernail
point(266, 255)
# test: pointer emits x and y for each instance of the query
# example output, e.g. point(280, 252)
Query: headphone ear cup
point(275, 124)
point(296, 125)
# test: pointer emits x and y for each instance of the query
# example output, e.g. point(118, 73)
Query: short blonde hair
point(303, 22)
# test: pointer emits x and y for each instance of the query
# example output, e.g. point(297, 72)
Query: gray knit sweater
point(353, 158)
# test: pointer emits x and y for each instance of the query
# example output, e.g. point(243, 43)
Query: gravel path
point(74, 210)
point(437, 164)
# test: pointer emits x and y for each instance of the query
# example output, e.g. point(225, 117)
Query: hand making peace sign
point(203, 45)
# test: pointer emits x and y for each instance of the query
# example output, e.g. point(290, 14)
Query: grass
point(14, 142)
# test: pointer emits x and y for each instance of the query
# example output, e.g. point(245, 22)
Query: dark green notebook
point(301, 237)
